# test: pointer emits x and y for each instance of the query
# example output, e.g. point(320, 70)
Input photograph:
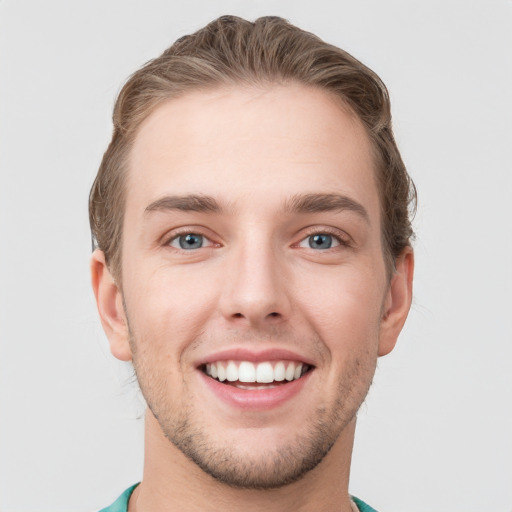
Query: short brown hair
point(231, 50)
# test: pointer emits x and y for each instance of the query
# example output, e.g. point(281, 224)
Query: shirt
point(121, 504)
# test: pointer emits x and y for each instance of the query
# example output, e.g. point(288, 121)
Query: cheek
point(168, 307)
point(345, 308)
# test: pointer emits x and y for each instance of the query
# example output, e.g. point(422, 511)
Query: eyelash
point(343, 241)
point(188, 231)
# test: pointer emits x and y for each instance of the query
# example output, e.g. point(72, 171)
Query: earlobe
point(398, 302)
point(109, 301)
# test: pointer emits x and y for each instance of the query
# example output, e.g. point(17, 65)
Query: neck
point(172, 482)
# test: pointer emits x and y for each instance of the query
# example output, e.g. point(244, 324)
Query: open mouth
point(252, 376)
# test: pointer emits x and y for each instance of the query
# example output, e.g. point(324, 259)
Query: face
point(254, 296)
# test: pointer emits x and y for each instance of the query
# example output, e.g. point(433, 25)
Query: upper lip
point(255, 356)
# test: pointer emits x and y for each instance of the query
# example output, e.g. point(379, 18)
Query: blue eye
point(320, 241)
point(188, 241)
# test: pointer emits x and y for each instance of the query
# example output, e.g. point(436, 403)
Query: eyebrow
point(316, 203)
point(299, 203)
point(188, 203)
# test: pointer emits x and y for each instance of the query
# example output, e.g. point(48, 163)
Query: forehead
point(248, 143)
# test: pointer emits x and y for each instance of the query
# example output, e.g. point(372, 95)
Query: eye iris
point(191, 241)
point(320, 241)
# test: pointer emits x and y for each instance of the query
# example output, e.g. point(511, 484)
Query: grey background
point(435, 432)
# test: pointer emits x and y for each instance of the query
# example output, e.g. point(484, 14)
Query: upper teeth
point(264, 372)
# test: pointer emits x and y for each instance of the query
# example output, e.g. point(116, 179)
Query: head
point(232, 51)
point(251, 218)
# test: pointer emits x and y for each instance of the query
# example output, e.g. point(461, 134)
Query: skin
point(255, 284)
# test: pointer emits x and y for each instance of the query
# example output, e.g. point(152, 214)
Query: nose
point(254, 291)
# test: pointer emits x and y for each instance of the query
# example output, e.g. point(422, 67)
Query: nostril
point(273, 314)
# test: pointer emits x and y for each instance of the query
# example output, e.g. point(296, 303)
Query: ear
point(397, 302)
point(109, 300)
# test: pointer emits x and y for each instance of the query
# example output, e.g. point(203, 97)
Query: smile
point(262, 375)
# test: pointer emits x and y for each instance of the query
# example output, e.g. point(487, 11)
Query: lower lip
point(256, 399)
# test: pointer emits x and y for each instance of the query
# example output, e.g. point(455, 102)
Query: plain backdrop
point(435, 433)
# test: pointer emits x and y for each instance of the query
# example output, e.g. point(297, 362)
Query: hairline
point(230, 84)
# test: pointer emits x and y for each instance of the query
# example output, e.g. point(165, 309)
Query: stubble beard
point(264, 470)
point(270, 469)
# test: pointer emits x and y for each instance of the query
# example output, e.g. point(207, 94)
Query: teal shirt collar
point(121, 504)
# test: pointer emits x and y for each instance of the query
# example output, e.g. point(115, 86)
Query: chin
point(245, 466)
point(270, 459)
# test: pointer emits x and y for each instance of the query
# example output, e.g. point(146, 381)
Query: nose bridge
point(253, 290)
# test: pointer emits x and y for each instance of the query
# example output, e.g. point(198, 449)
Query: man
point(251, 219)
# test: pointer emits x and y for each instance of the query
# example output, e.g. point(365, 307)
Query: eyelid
point(185, 230)
point(342, 237)
point(206, 242)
